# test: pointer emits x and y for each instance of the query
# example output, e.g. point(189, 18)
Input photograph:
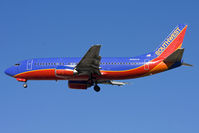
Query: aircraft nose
point(8, 72)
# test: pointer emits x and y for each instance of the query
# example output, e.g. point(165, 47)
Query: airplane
point(92, 70)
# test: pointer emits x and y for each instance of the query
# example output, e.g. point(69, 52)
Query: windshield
point(17, 64)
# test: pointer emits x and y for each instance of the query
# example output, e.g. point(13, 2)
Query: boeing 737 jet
point(92, 70)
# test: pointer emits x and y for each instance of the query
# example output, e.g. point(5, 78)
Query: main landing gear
point(92, 81)
point(96, 88)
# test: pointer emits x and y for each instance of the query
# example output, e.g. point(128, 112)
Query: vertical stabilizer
point(172, 42)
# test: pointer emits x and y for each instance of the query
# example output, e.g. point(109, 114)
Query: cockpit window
point(17, 64)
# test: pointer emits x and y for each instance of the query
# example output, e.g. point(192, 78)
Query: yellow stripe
point(173, 40)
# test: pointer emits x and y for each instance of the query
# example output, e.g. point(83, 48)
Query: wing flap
point(111, 82)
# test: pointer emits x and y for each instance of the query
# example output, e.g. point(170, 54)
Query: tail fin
point(172, 42)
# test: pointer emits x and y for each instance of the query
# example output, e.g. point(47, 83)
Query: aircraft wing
point(90, 63)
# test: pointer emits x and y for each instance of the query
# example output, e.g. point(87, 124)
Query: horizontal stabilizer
point(175, 56)
point(186, 64)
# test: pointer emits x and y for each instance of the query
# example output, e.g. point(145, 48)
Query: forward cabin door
point(29, 64)
point(146, 64)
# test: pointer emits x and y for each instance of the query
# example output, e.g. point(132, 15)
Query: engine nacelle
point(65, 71)
point(78, 84)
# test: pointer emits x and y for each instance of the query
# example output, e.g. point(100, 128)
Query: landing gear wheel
point(25, 85)
point(96, 88)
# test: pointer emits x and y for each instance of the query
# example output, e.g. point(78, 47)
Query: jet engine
point(78, 84)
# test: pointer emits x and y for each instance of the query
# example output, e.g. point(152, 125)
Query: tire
point(96, 88)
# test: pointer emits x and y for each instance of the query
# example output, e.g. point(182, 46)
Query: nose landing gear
point(25, 85)
point(23, 80)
